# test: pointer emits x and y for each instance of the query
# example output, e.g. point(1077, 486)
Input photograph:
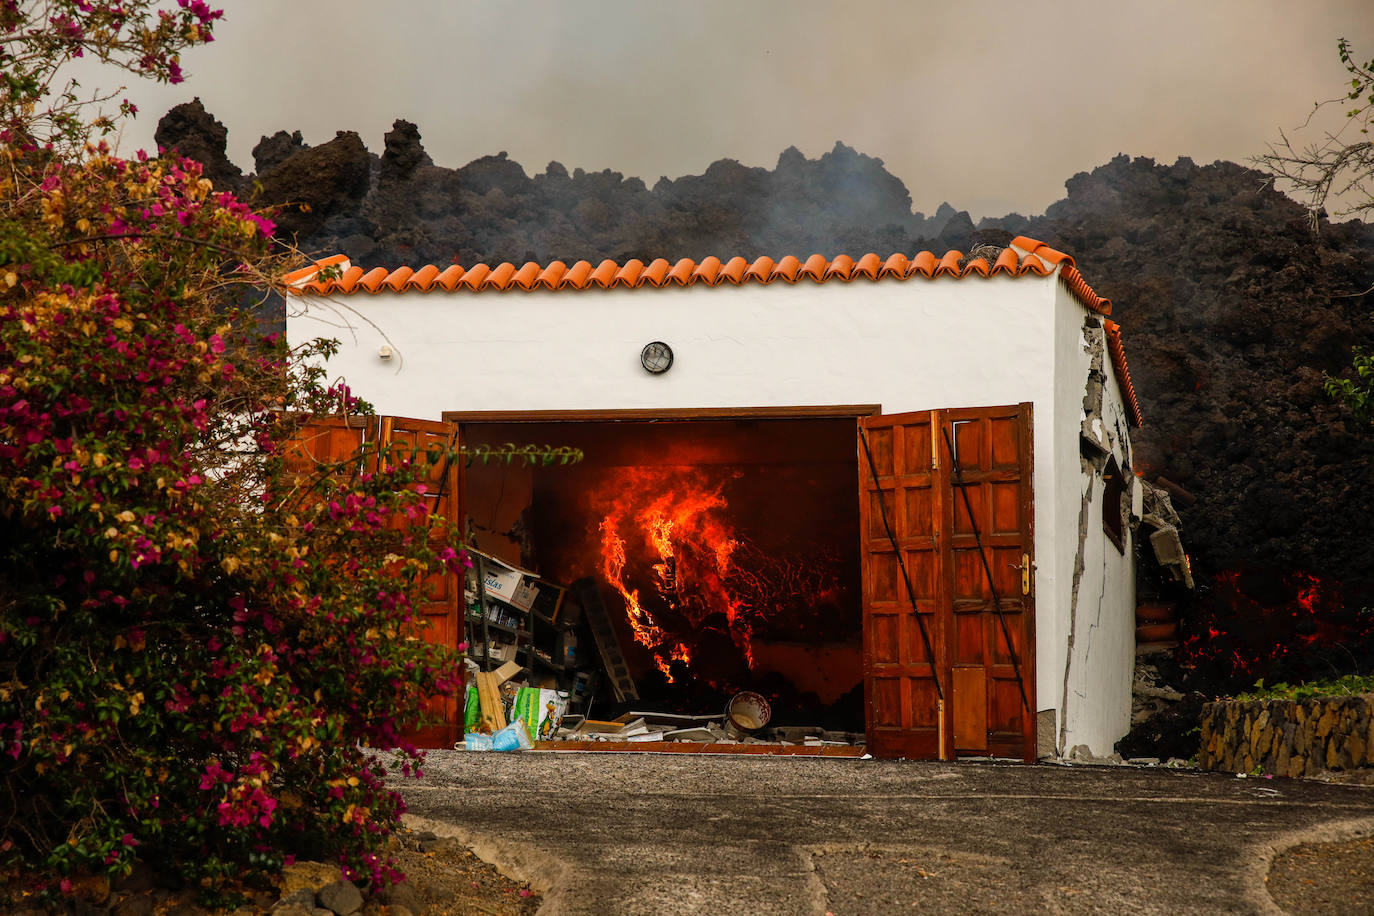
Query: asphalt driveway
point(658, 834)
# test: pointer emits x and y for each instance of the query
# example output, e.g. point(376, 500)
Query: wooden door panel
point(330, 440)
point(990, 492)
point(970, 689)
point(945, 526)
point(900, 522)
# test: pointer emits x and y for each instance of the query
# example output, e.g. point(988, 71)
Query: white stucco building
point(1010, 357)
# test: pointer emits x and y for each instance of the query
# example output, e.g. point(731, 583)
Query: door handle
point(1025, 567)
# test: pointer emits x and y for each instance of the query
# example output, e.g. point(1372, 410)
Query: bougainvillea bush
point(202, 644)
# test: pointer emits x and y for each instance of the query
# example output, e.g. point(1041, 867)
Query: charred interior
point(723, 550)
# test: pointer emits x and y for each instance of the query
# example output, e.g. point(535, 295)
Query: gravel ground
point(1325, 879)
point(604, 833)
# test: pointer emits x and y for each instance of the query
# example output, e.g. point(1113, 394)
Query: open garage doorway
point(725, 546)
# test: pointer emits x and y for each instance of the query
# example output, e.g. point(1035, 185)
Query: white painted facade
point(907, 345)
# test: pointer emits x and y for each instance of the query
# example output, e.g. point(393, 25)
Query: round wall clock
point(656, 357)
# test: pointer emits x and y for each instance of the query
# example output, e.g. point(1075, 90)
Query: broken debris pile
point(530, 684)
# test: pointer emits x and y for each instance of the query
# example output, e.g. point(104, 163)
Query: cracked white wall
point(1086, 663)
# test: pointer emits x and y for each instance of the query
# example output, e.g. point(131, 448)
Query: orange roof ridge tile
point(949, 264)
point(842, 267)
point(978, 266)
point(451, 277)
point(787, 268)
point(1007, 262)
point(1041, 250)
point(397, 279)
point(372, 280)
point(423, 279)
point(527, 276)
point(761, 269)
point(501, 274)
point(629, 274)
point(551, 277)
point(1123, 372)
point(734, 270)
point(577, 275)
point(814, 268)
point(707, 271)
point(870, 264)
point(681, 272)
point(895, 266)
point(476, 276)
point(348, 280)
point(1084, 293)
point(657, 271)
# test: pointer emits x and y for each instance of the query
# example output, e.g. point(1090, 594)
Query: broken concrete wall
point(1090, 652)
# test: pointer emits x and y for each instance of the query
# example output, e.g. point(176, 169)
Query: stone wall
point(1288, 737)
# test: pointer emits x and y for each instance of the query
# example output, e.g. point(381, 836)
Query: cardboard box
point(507, 583)
point(524, 595)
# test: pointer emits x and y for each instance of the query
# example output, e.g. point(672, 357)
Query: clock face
point(656, 357)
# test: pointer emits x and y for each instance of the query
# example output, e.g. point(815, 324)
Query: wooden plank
point(661, 413)
point(489, 698)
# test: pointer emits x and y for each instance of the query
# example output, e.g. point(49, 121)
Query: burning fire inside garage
point(725, 551)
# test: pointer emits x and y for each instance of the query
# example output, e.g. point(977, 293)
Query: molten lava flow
point(670, 548)
point(1250, 627)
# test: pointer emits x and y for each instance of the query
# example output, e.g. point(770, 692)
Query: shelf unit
point(500, 629)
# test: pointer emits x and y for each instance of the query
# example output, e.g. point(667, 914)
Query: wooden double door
point(948, 609)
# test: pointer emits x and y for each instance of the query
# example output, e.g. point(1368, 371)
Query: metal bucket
point(746, 713)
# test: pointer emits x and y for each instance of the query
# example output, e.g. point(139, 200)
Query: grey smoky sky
point(988, 105)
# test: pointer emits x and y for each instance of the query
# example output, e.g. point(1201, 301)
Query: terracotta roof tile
point(949, 264)
point(373, 279)
point(450, 278)
point(527, 276)
point(760, 270)
point(475, 277)
point(787, 269)
point(348, 280)
point(396, 280)
point(1007, 262)
point(707, 271)
point(734, 270)
point(1123, 374)
point(681, 272)
point(895, 266)
point(842, 267)
point(870, 264)
point(423, 279)
point(814, 268)
point(978, 266)
point(1022, 257)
